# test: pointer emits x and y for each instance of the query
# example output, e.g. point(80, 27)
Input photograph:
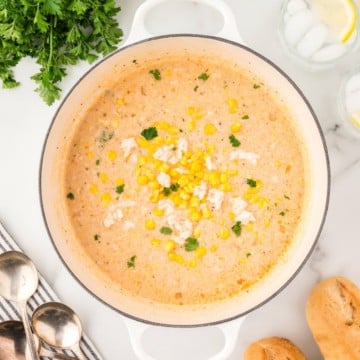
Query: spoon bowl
point(18, 282)
point(58, 326)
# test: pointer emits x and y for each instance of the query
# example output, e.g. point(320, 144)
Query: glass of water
point(307, 37)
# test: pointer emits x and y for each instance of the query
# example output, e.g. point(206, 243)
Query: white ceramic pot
point(228, 46)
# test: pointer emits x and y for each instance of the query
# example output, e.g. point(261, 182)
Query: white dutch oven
point(140, 314)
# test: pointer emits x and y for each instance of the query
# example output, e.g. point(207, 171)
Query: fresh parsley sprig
point(57, 33)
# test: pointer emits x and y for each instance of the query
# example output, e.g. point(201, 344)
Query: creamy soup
point(185, 181)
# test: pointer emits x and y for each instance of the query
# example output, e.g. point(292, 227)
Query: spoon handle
point(29, 335)
point(78, 352)
point(54, 356)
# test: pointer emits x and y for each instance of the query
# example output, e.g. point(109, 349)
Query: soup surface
point(185, 181)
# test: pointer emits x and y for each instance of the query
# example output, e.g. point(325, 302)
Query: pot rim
point(326, 153)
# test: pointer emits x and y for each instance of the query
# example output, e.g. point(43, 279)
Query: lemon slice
point(356, 118)
point(340, 15)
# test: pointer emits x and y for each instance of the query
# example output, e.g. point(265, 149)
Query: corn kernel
point(235, 127)
point(224, 233)
point(142, 160)
point(154, 197)
point(155, 242)
point(213, 248)
point(209, 129)
point(143, 143)
point(176, 200)
point(162, 125)
point(267, 222)
point(105, 198)
point(150, 224)
point(94, 189)
point(233, 104)
point(192, 263)
point(263, 203)
point(196, 233)
point(119, 181)
point(233, 172)
point(249, 227)
point(195, 216)
point(278, 164)
point(184, 196)
point(164, 167)
point(174, 173)
point(142, 179)
point(200, 252)
point(223, 178)
point(173, 130)
point(176, 257)
point(226, 187)
point(112, 155)
point(90, 155)
point(171, 256)
point(206, 212)
point(190, 110)
point(169, 245)
point(168, 73)
point(242, 261)
point(191, 125)
point(231, 216)
point(120, 101)
point(104, 178)
point(194, 201)
point(159, 212)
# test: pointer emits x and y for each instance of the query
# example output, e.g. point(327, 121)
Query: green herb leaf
point(96, 237)
point(196, 88)
point(245, 117)
point(248, 254)
point(251, 182)
point(97, 162)
point(166, 191)
point(174, 187)
point(204, 76)
point(104, 137)
point(234, 141)
point(166, 230)
point(156, 74)
point(282, 213)
point(191, 244)
point(236, 228)
point(120, 189)
point(131, 262)
point(286, 197)
point(149, 133)
point(70, 196)
point(256, 86)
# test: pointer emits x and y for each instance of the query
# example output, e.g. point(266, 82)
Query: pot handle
point(229, 30)
point(230, 330)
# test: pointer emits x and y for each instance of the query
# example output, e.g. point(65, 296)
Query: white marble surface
point(24, 120)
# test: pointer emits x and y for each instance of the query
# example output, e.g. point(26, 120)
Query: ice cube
point(329, 53)
point(297, 26)
point(353, 84)
point(313, 40)
point(295, 6)
point(352, 101)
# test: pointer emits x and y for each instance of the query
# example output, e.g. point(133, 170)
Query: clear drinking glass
point(308, 40)
point(349, 100)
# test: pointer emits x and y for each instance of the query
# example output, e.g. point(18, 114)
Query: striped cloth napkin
point(43, 294)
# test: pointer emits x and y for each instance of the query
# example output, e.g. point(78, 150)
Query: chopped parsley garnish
point(251, 182)
point(248, 254)
point(236, 228)
point(120, 189)
point(149, 133)
point(282, 213)
point(134, 61)
point(167, 191)
point(234, 141)
point(204, 76)
point(166, 230)
point(96, 237)
point(131, 262)
point(156, 74)
point(256, 86)
point(245, 117)
point(104, 137)
point(191, 244)
point(97, 162)
point(286, 197)
point(174, 187)
point(196, 88)
point(70, 196)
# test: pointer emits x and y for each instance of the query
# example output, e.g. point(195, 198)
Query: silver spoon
point(58, 326)
point(18, 282)
point(13, 344)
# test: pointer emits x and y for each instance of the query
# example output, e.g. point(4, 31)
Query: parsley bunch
point(57, 33)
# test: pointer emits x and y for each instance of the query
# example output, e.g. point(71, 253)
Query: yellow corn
point(231, 216)
point(249, 227)
point(90, 155)
point(142, 179)
point(206, 212)
point(233, 172)
point(176, 257)
point(94, 189)
point(169, 245)
point(235, 127)
point(191, 125)
point(209, 129)
point(120, 102)
point(195, 215)
point(267, 222)
point(155, 242)
point(226, 187)
point(159, 212)
point(142, 160)
point(200, 252)
point(105, 198)
point(192, 263)
point(194, 201)
point(150, 224)
point(154, 185)
point(213, 248)
point(154, 197)
point(224, 233)
point(119, 181)
point(112, 155)
point(104, 178)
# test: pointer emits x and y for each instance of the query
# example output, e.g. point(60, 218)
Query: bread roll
point(333, 315)
point(273, 348)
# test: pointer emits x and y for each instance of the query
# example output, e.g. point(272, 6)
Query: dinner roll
point(273, 348)
point(333, 315)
